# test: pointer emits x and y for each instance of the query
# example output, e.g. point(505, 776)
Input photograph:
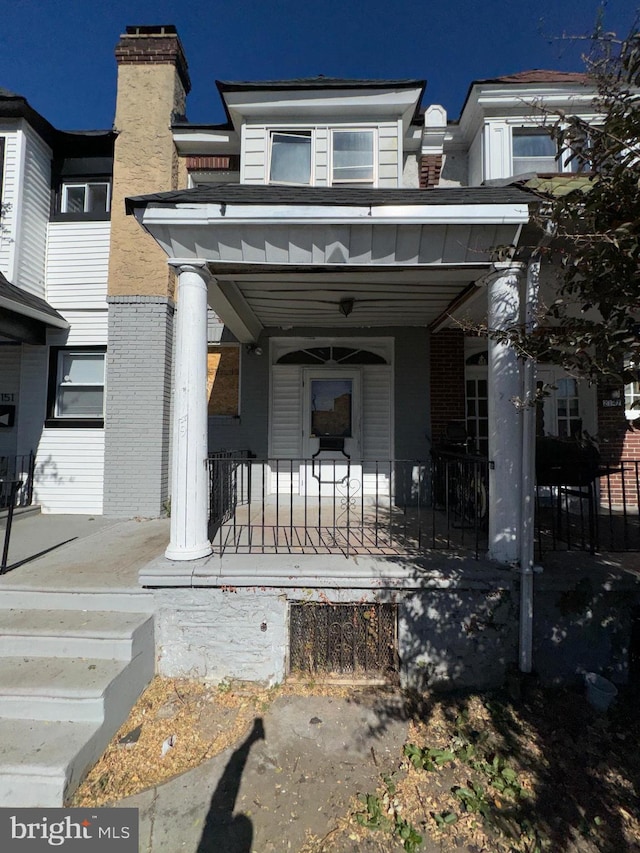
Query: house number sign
point(7, 410)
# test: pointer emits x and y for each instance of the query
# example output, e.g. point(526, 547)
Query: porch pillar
point(189, 476)
point(505, 421)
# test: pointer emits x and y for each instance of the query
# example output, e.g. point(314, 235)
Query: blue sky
point(59, 53)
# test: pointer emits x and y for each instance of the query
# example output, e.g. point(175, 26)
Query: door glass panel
point(331, 407)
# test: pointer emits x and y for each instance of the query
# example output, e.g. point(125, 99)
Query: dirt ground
point(532, 769)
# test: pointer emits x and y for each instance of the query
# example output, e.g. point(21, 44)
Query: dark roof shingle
point(347, 196)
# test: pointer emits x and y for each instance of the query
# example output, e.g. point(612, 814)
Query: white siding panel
point(376, 413)
point(9, 198)
point(70, 471)
point(254, 155)
point(33, 397)
point(9, 384)
point(87, 327)
point(34, 215)
point(286, 412)
point(78, 264)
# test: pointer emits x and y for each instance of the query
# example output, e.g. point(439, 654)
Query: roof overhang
point(290, 264)
point(25, 317)
point(351, 103)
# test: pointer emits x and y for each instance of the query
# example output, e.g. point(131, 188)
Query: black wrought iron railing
point(460, 499)
point(18, 468)
point(345, 506)
point(599, 515)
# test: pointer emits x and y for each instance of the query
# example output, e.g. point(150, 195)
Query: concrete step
point(80, 689)
point(43, 762)
point(14, 597)
point(74, 633)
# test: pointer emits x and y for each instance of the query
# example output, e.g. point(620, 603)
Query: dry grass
point(202, 718)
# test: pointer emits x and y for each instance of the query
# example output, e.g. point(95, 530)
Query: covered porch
point(331, 268)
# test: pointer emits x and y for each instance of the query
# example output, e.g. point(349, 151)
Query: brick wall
point(447, 380)
point(430, 169)
point(619, 448)
point(138, 405)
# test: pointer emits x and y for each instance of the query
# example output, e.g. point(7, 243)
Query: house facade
point(265, 327)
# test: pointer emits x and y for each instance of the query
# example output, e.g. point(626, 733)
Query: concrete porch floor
point(295, 525)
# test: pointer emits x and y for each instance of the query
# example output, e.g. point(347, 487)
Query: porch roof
point(25, 316)
point(258, 194)
point(288, 256)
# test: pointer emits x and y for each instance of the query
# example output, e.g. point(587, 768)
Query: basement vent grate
point(359, 640)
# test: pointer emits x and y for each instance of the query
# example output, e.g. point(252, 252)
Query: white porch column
point(189, 476)
point(505, 420)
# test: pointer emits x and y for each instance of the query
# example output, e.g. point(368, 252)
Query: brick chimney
point(153, 82)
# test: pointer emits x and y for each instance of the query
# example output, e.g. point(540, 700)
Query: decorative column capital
point(196, 265)
point(505, 269)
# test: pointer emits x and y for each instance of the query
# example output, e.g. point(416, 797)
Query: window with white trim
point(352, 157)
point(76, 386)
point(290, 158)
point(534, 150)
point(88, 197)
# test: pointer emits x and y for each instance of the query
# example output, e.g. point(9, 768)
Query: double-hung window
point(534, 150)
point(352, 157)
point(90, 197)
point(76, 386)
point(290, 157)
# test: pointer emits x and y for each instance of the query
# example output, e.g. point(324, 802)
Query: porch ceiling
point(250, 300)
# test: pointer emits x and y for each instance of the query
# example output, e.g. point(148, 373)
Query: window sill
point(80, 217)
point(74, 423)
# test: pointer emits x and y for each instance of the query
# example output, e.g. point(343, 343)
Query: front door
point(331, 431)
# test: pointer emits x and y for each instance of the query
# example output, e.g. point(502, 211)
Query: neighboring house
point(54, 250)
point(319, 246)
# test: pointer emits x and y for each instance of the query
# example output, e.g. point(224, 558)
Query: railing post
point(13, 489)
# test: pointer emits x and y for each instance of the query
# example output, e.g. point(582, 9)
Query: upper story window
point(290, 157)
point(534, 151)
point(90, 197)
point(352, 157)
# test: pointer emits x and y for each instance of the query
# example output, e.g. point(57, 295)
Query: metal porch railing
point(601, 515)
point(340, 506)
point(16, 468)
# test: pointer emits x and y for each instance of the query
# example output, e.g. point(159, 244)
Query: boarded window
point(223, 372)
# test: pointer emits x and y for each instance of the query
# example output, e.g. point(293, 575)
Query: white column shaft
point(505, 421)
point(189, 475)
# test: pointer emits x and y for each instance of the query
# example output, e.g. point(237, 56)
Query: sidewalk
point(293, 775)
point(88, 552)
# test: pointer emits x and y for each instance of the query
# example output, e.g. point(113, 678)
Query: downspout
point(527, 505)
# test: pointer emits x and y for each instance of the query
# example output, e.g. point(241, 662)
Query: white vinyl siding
point(87, 328)
point(286, 412)
point(475, 161)
point(10, 373)
point(9, 199)
point(33, 396)
point(77, 264)
point(70, 471)
point(376, 412)
point(254, 155)
point(34, 215)
point(388, 155)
